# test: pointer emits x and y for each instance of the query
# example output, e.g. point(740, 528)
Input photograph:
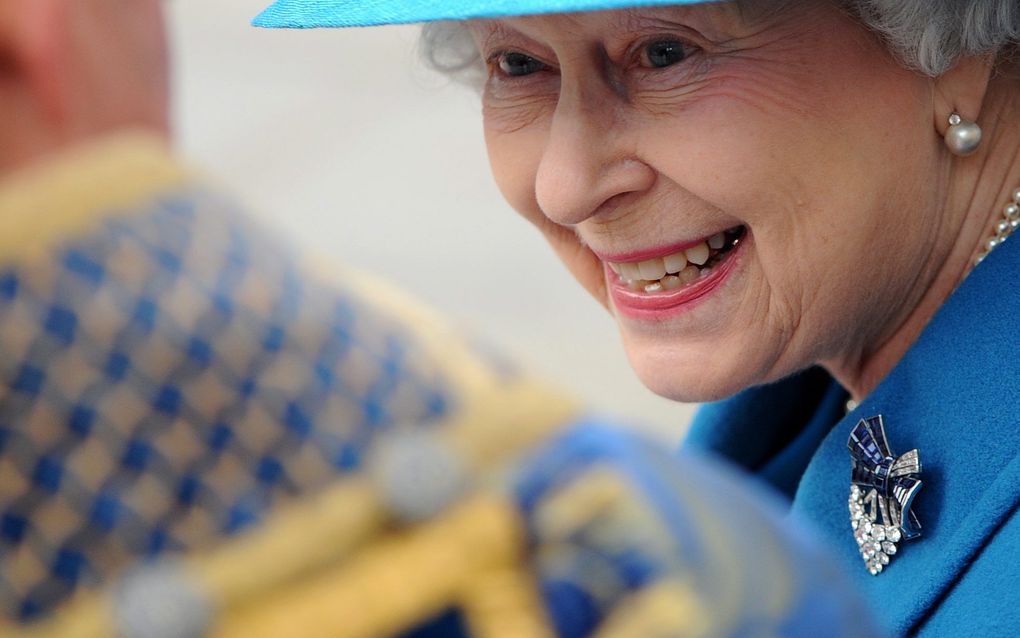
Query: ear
point(33, 44)
point(962, 90)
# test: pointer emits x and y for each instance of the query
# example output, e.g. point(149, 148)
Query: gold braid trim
point(315, 556)
point(53, 200)
point(504, 603)
point(667, 609)
point(396, 583)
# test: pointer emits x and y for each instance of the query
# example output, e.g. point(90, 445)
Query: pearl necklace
point(1010, 222)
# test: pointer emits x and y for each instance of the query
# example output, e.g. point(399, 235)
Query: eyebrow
point(495, 29)
point(645, 18)
point(744, 10)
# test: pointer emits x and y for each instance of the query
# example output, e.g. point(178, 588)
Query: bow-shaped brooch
point(882, 489)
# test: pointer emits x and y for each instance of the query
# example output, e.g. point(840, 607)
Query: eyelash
point(495, 64)
point(641, 50)
point(496, 59)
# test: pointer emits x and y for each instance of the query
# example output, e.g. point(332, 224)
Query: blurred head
point(71, 70)
point(750, 188)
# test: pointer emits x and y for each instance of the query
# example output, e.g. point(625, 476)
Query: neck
point(978, 189)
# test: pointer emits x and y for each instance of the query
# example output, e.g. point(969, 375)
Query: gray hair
point(928, 36)
point(931, 35)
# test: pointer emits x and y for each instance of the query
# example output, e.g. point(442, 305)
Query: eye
point(662, 53)
point(517, 64)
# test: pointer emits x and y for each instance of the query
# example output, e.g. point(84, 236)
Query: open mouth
point(683, 268)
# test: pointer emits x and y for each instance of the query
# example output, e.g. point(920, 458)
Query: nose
point(589, 158)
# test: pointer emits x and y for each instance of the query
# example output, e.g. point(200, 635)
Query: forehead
point(713, 19)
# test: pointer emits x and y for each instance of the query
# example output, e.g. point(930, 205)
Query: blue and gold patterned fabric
point(200, 435)
point(482, 528)
point(169, 372)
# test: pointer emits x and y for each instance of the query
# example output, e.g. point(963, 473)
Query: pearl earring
point(962, 137)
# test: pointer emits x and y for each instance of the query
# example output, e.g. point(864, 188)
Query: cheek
point(514, 158)
point(782, 145)
point(806, 163)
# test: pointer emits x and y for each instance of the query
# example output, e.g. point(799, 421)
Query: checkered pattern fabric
point(166, 380)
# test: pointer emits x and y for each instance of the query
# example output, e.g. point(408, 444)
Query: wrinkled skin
point(798, 125)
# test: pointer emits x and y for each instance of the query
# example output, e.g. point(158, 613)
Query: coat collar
point(953, 396)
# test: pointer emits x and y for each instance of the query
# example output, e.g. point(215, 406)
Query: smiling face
point(778, 164)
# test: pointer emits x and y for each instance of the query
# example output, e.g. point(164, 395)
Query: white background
point(341, 139)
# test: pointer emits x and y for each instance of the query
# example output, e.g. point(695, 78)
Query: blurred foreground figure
point(170, 376)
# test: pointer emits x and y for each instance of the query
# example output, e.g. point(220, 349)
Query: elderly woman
point(799, 210)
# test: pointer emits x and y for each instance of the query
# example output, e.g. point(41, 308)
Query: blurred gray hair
point(928, 36)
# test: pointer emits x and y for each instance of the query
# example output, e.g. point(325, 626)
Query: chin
point(680, 373)
point(688, 388)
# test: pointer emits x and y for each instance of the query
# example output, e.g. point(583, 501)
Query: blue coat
point(954, 397)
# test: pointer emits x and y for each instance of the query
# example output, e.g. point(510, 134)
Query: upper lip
point(642, 254)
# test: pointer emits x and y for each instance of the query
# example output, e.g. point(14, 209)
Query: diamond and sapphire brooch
point(882, 489)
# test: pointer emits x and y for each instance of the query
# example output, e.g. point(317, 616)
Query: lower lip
point(663, 305)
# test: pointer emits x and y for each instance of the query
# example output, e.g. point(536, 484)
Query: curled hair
point(928, 36)
point(931, 35)
point(447, 47)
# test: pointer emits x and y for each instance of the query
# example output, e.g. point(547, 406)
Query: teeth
point(652, 269)
point(672, 271)
point(630, 271)
point(697, 254)
point(689, 274)
point(675, 263)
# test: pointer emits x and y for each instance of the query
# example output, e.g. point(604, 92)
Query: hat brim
point(307, 14)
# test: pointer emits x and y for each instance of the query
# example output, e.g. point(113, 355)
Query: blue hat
point(365, 13)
